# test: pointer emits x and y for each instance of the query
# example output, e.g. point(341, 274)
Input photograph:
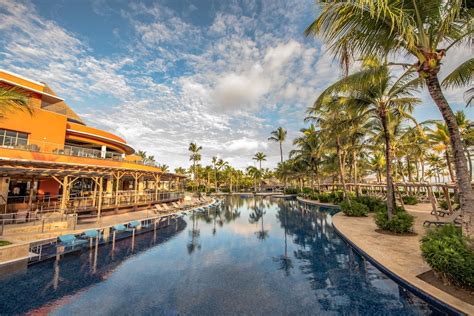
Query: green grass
point(4, 243)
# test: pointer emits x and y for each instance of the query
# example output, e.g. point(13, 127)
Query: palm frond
point(462, 76)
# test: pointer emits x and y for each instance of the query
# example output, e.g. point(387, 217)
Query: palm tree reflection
point(194, 233)
point(256, 216)
point(285, 262)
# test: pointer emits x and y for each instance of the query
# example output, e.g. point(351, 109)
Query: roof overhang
point(37, 168)
point(128, 149)
point(46, 96)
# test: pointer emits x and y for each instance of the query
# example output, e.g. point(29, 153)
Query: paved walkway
point(399, 254)
point(106, 221)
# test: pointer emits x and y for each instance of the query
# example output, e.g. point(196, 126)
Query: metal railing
point(39, 212)
point(63, 149)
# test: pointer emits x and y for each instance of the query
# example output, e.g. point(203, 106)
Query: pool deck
point(106, 221)
point(400, 255)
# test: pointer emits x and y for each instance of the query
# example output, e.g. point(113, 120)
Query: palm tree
point(255, 174)
point(440, 141)
point(195, 157)
point(12, 99)
point(164, 168)
point(331, 114)
point(180, 171)
point(466, 129)
point(260, 157)
point(384, 97)
point(218, 165)
point(279, 135)
point(377, 162)
point(426, 30)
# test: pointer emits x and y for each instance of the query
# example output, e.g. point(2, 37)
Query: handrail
point(37, 145)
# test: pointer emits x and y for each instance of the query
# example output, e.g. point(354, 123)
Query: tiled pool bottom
point(250, 256)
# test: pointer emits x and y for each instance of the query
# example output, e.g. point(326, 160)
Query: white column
point(103, 151)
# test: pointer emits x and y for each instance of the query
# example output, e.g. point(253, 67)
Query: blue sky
point(165, 73)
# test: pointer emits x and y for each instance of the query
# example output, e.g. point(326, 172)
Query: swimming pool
point(248, 256)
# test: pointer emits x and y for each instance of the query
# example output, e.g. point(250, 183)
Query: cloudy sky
point(165, 73)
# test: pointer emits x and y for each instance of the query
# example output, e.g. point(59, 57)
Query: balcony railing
point(58, 149)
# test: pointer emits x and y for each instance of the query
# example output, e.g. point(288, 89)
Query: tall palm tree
point(279, 135)
point(255, 174)
point(218, 165)
point(384, 97)
point(260, 157)
point(426, 30)
point(195, 157)
point(12, 99)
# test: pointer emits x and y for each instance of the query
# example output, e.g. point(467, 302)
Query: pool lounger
point(92, 233)
point(70, 240)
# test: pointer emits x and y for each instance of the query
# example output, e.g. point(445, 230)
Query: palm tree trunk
point(469, 161)
point(341, 166)
point(410, 176)
point(448, 164)
point(388, 164)
point(462, 177)
point(281, 153)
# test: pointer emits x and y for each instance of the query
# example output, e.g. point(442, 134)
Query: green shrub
point(354, 208)
point(444, 204)
point(447, 252)
point(410, 200)
point(324, 197)
point(291, 191)
point(371, 202)
point(307, 190)
point(401, 221)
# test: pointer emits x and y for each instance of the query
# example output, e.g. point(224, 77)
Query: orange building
point(51, 160)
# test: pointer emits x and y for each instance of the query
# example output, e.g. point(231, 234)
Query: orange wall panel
point(46, 129)
point(21, 81)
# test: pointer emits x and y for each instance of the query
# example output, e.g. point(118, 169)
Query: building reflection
point(65, 275)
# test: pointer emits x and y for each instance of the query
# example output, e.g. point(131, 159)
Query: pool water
point(248, 256)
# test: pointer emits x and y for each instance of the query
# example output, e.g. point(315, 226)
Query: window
point(13, 139)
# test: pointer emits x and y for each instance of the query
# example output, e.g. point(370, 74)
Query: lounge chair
point(133, 225)
point(120, 227)
point(451, 219)
point(70, 240)
point(93, 233)
point(443, 212)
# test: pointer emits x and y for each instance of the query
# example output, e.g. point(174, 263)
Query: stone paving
point(399, 254)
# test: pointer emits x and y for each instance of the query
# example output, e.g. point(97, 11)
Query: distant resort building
point(51, 161)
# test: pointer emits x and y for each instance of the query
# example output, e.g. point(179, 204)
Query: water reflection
point(247, 256)
point(37, 288)
point(257, 215)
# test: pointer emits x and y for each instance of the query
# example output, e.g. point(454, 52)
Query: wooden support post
point(433, 201)
point(95, 193)
point(30, 196)
point(448, 199)
point(117, 177)
point(99, 204)
point(157, 185)
point(64, 199)
point(136, 176)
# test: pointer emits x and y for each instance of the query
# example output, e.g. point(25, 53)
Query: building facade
point(50, 160)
